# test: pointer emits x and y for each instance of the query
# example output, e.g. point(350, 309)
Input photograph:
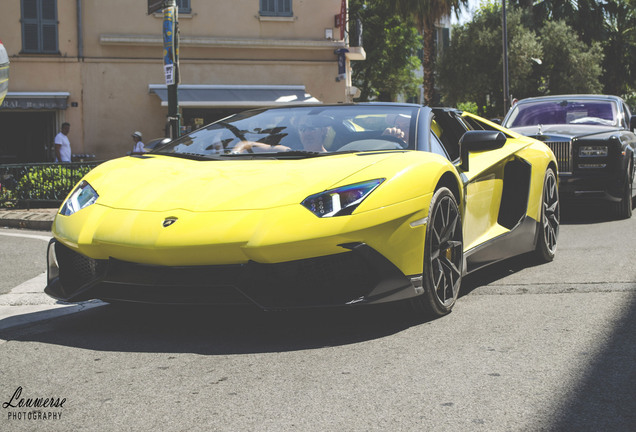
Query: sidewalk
point(33, 219)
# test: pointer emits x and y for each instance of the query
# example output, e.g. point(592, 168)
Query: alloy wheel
point(446, 254)
point(551, 212)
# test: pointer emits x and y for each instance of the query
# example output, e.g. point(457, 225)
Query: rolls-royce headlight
point(340, 201)
point(83, 196)
point(593, 151)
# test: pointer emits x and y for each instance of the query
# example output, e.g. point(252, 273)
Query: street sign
point(170, 46)
point(155, 6)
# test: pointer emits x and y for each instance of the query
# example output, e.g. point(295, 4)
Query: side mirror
point(632, 123)
point(479, 140)
point(496, 121)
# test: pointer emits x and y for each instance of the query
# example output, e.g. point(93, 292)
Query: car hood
point(568, 131)
point(162, 183)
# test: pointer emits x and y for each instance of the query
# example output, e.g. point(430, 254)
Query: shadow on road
point(586, 212)
point(213, 331)
point(605, 397)
point(497, 271)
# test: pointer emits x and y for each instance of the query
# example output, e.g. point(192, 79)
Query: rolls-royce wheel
point(623, 209)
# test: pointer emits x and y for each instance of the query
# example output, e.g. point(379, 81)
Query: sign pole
point(171, 64)
point(506, 83)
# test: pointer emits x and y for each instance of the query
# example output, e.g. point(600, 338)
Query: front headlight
point(593, 151)
point(83, 196)
point(340, 201)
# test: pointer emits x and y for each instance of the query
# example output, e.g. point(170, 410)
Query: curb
point(27, 219)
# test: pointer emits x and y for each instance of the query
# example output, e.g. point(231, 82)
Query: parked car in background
point(593, 139)
point(150, 145)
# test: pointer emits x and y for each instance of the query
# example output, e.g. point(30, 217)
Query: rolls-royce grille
point(563, 152)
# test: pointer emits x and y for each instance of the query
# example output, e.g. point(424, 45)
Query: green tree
point(584, 16)
point(427, 14)
point(619, 47)
point(471, 70)
point(551, 62)
point(612, 23)
point(390, 45)
point(569, 66)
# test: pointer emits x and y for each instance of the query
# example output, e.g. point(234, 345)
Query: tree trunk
point(428, 63)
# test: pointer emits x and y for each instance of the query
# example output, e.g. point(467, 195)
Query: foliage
point(40, 182)
point(427, 14)
point(478, 45)
point(610, 23)
point(569, 66)
point(630, 100)
point(390, 44)
point(619, 45)
point(551, 61)
point(470, 107)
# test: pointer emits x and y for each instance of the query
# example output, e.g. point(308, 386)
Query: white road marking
point(32, 236)
point(27, 303)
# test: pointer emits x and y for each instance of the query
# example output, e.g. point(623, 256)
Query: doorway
point(26, 136)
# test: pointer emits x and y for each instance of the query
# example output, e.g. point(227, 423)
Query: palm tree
point(426, 14)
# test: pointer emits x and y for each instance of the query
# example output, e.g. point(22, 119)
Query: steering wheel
point(394, 139)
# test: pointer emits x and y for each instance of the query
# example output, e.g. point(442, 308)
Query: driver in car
point(400, 128)
point(313, 131)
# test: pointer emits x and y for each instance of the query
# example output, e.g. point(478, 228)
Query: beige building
point(98, 65)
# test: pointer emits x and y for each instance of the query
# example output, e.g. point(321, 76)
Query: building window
point(39, 26)
point(184, 6)
point(276, 8)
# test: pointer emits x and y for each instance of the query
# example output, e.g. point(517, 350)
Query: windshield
point(565, 111)
point(301, 132)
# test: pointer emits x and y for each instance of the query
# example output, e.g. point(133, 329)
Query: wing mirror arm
point(479, 140)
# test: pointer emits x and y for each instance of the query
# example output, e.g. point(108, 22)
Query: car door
point(483, 180)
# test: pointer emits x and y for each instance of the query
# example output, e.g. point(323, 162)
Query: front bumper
point(603, 186)
point(359, 275)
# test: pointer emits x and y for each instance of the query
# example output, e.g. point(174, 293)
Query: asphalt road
point(28, 262)
point(527, 348)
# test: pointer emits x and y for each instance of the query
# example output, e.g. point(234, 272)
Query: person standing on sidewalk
point(138, 147)
point(63, 145)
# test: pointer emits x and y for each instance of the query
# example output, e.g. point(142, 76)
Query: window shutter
point(184, 6)
point(31, 37)
point(276, 7)
point(49, 10)
point(39, 26)
point(29, 9)
point(49, 38)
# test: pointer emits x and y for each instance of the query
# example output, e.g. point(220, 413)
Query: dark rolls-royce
point(592, 137)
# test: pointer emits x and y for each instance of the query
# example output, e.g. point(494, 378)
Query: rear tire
point(550, 218)
point(443, 257)
point(623, 209)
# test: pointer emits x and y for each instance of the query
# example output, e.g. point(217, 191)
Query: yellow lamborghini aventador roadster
point(308, 206)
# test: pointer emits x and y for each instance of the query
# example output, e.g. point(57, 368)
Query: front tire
point(443, 257)
point(550, 218)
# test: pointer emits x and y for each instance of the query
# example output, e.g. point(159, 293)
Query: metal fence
point(26, 185)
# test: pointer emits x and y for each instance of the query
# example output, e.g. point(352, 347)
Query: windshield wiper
point(277, 155)
point(191, 156)
point(298, 153)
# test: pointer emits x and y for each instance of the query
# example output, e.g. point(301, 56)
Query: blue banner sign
point(170, 46)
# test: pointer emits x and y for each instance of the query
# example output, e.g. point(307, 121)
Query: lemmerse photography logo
point(31, 408)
